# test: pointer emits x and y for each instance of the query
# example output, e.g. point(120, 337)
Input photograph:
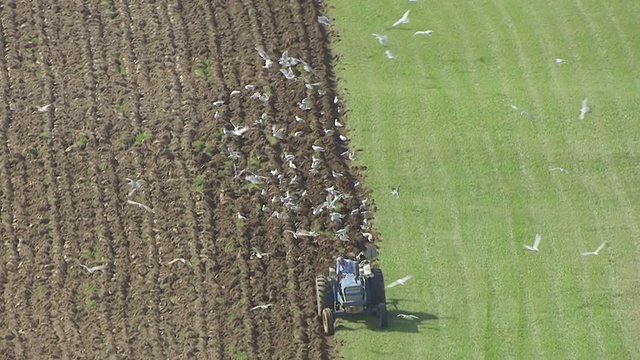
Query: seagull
point(559, 169)
point(535, 244)
point(250, 87)
point(44, 108)
point(382, 39)
point(218, 103)
point(302, 233)
point(176, 260)
point(263, 307)
point(288, 73)
point(584, 109)
point(259, 254)
point(403, 20)
point(408, 317)
point(559, 61)
point(324, 20)
point(277, 133)
point(317, 148)
point(142, 206)
point(594, 252)
point(241, 217)
point(426, 33)
point(237, 131)
point(522, 112)
point(400, 281)
point(95, 268)
point(396, 192)
point(135, 186)
point(389, 55)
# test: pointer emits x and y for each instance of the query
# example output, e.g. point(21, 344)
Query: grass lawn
point(474, 175)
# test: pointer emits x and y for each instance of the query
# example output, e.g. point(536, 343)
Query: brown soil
point(131, 85)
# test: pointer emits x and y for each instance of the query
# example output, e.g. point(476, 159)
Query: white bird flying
point(403, 20)
point(594, 252)
point(408, 317)
point(400, 281)
point(176, 260)
point(91, 270)
point(143, 206)
point(584, 109)
point(44, 108)
point(396, 192)
point(535, 244)
point(559, 169)
point(299, 233)
point(426, 33)
point(263, 307)
point(135, 185)
point(382, 39)
point(559, 61)
point(237, 131)
point(389, 55)
point(522, 112)
point(324, 20)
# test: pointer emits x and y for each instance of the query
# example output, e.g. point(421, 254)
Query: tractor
point(353, 287)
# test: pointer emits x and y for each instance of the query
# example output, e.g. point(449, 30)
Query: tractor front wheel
point(383, 322)
point(328, 321)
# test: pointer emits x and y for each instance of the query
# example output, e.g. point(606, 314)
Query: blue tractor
point(353, 287)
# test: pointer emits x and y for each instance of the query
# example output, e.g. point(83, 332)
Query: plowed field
point(95, 92)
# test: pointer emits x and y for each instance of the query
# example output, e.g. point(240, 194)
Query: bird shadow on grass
point(396, 324)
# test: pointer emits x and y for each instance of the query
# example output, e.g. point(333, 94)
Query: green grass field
point(474, 175)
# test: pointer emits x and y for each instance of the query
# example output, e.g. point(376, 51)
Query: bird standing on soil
point(259, 254)
point(262, 307)
point(584, 109)
point(403, 20)
point(594, 252)
point(535, 244)
point(400, 281)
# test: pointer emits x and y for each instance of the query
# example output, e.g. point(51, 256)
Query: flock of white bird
point(383, 39)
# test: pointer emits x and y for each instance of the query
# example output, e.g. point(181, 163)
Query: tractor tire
point(383, 321)
point(377, 287)
point(324, 293)
point(328, 321)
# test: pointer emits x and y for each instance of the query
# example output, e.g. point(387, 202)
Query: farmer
point(345, 267)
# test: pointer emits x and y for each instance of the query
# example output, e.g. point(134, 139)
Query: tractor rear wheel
point(324, 294)
point(328, 321)
point(377, 287)
point(383, 321)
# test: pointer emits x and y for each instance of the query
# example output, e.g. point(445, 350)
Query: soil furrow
point(17, 259)
point(132, 87)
